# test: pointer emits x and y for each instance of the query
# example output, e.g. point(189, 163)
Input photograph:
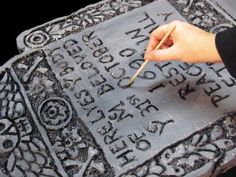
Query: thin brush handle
point(157, 47)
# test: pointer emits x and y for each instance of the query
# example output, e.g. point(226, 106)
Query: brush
point(131, 81)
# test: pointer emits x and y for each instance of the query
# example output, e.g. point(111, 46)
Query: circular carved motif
point(36, 39)
point(55, 113)
point(9, 135)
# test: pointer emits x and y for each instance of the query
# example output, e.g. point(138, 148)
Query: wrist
point(214, 55)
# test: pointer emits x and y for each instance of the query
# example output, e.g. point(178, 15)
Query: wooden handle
point(131, 81)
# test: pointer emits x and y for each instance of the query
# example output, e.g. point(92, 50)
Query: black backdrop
point(15, 17)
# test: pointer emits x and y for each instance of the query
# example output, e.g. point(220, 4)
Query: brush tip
point(131, 81)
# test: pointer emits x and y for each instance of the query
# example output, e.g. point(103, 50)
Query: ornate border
point(89, 16)
point(39, 126)
point(196, 12)
point(206, 147)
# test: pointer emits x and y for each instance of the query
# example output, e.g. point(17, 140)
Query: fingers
point(164, 46)
point(164, 54)
point(170, 50)
point(168, 42)
point(156, 37)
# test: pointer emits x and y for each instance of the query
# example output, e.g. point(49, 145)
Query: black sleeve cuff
point(226, 46)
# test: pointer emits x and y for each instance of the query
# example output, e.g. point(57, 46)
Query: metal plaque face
point(67, 109)
point(228, 6)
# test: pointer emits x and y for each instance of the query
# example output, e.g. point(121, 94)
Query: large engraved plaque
point(127, 122)
point(67, 109)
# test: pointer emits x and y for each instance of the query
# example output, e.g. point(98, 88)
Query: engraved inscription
point(95, 76)
point(94, 72)
point(68, 110)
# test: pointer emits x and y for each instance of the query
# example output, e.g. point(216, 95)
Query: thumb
point(162, 54)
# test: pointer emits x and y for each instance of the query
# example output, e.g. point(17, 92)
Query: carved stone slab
point(228, 6)
point(66, 109)
point(209, 15)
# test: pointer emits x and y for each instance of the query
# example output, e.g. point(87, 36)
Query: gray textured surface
point(229, 6)
point(208, 15)
point(66, 110)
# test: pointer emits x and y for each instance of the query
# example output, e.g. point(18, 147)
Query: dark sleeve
point(226, 46)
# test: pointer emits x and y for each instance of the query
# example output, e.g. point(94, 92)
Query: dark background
point(18, 17)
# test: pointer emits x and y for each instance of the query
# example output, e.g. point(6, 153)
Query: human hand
point(186, 43)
